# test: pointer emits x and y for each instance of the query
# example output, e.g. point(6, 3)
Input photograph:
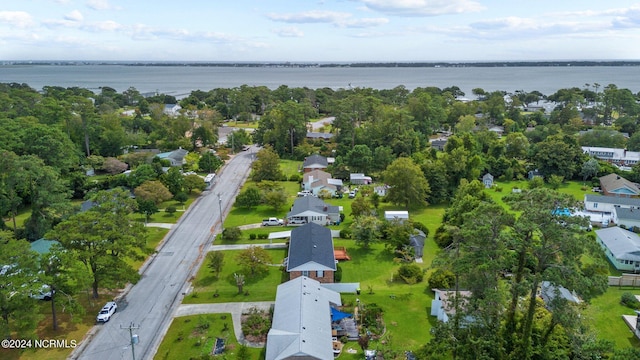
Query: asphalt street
point(149, 305)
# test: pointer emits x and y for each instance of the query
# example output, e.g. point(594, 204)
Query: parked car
point(297, 221)
point(338, 195)
point(107, 312)
point(305, 193)
point(352, 194)
point(43, 294)
point(272, 222)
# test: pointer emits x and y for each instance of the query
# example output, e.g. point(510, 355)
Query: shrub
point(337, 276)
point(263, 236)
point(170, 209)
point(411, 273)
point(441, 279)
point(231, 234)
point(345, 234)
point(294, 178)
point(629, 300)
point(422, 227)
point(252, 236)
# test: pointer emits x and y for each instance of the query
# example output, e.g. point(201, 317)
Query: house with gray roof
point(487, 180)
point(622, 247)
point(311, 253)
point(359, 179)
point(629, 217)
point(319, 135)
point(310, 209)
point(314, 162)
point(317, 180)
point(416, 241)
point(549, 292)
point(301, 324)
point(175, 157)
point(606, 204)
point(616, 185)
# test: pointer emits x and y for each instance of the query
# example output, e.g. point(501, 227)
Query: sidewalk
point(236, 309)
point(160, 225)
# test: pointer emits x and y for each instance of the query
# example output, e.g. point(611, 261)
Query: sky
point(319, 30)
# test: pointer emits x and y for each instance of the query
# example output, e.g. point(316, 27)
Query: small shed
point(487, 180)
point(399, 215)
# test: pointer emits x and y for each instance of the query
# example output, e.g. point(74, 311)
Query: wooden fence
point(625, 280)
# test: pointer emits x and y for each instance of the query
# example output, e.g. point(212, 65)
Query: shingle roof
point(627, 214)
point(301, 324)
point(311, 249)
point(548, 292)
point(615, 200)
point(612, 182)
point(623, 244)
point(315, 160)
point(312, 203)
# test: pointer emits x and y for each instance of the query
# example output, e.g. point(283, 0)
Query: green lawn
point(193, 337)
point(259, 288)
point(605, 316)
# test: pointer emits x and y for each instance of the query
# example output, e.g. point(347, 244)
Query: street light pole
point(220, 206)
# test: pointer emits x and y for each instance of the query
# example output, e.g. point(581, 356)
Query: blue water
point(181, 80)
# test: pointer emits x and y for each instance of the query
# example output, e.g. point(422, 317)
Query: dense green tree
point(359, 159)
point(236, 140)
point(366, 230)
point(558, 155)
point(275, 198)
point(173, 180)
point(254, 261)
point(209, 162)
point(602, 138)
point(249, 198)
point(284, 126)
point(408, 186)
point(193, 182)
point(19, 314)
point(142, 173)
point(147, 208)
point(153, 191)
point(266, 166)
point(104, 238)
point(64, 276)
point(360, 206)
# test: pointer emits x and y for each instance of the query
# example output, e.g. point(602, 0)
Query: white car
point(107, 311)
point(44, 293)
point(305, 193)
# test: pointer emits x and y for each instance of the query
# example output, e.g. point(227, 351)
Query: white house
point(393, 215)
point(443, 305)
point(629, 217)
point(171, 109)
point(359, 179)
point(622, 247)
point(301, 325)
point(317, 180)
point(310, 209)
point(606, 203)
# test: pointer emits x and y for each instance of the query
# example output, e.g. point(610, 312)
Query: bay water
point(179, 81)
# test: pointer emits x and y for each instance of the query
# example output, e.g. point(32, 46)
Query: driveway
point(235, 308)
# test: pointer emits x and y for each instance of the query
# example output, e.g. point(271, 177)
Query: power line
point(133, 338)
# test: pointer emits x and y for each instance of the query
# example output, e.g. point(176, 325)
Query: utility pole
point(133, 338)
point(220, 206)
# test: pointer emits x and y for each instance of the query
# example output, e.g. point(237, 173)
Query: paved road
point(151, 303)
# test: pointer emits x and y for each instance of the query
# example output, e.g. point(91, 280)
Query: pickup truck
point(272, 222)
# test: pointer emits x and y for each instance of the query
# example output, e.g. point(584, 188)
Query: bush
point(629, 300)
point(422, 227)
point(345, 234)
point(441, 279)
point(231, 234)
point(337, 276)
point(294, 178)
point(411, 273)
point(252, 236)
point(170, 209)
point(263, 236)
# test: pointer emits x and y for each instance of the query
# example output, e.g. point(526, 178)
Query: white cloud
point(75, 16)
point(100, 5)
point(314, 16)
point(102, 26)
point(291, 31)
point(423, 7)
point(20, 19)
point(339, 19)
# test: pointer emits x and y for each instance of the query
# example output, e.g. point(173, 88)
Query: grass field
point(192, 337)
